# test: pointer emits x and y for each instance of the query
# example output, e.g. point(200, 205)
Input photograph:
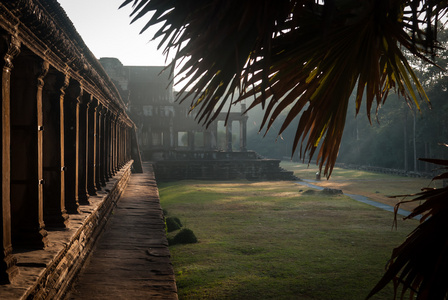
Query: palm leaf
point(308, 55)
point(420, 264)
point(306, 58)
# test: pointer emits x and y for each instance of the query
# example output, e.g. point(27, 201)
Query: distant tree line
point(397, 137)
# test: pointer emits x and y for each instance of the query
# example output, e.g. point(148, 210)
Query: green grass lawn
point(277, 240)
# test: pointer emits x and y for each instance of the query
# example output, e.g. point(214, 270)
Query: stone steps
point(250, 169)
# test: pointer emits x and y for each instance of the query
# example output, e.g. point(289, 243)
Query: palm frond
point(420, 264)
point(308, 55)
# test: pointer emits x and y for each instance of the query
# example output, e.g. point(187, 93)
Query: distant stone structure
point(165, 126)
point(170, 136)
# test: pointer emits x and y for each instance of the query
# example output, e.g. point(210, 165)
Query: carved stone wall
point(46, 274)
point(65, 137)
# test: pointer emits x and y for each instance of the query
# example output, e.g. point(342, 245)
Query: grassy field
point(278, 240)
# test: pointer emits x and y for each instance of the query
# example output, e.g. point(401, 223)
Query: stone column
point(172, 135)
point(124, 143)
point(207, 139)
point(166, 143)
point(229, 135)
point(149, 135)
point(27, 151)
point(114, 144)
point(103, 147)
point(91, 162)
point(176, 139)
point(8, 269)
point(128, 144)
point(191, 145)
point(243, 128)
point(214, 130)
point(55, 215)
point(119, 144)
point(98, 147)
point(110, 145)
point(243, 135)
point(83, 196)
point(107, 171)
point(71, 145)
point(121, 140)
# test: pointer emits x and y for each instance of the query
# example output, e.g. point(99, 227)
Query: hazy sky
point(106, 31)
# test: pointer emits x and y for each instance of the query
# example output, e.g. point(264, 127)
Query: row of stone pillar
point(210, 136)
point(60, 144)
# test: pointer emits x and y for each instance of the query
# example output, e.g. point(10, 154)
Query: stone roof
point(44, 27)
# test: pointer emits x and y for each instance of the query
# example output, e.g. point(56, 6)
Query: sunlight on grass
point(376, 186)
point(274, 240)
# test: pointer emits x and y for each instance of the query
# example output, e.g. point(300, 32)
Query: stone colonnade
point(209, 134)
point(64, 133)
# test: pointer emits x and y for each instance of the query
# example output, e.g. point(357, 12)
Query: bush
point(329, 191)
point(172, 224)
point(185, 236)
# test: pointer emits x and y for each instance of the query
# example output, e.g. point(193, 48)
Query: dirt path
point(378, 190)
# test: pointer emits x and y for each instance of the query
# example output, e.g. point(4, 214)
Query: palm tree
point(303, 57)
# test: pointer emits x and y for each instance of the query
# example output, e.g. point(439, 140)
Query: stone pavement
point(131, 259)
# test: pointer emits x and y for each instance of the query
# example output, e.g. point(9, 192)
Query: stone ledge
point(250, 169)
point(46, 274)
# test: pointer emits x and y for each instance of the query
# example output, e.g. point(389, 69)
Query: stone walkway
point(131, 259)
